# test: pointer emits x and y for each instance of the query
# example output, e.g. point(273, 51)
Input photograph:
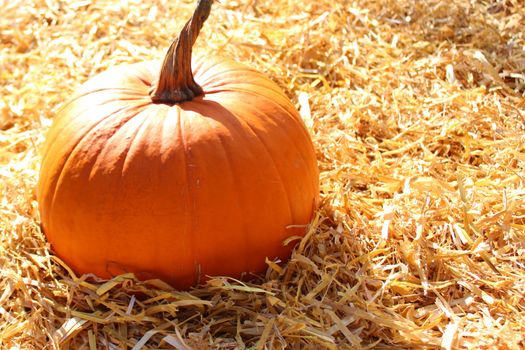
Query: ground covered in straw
point(416, 110)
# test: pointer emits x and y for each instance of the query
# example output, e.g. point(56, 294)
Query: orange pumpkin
point(190, 173)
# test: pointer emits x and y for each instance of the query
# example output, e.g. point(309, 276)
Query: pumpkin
point(202, 169)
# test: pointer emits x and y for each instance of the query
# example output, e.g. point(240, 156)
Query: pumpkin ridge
point(140, 76)
point(270, 156)
point(252, 81)
point(140, 94)
point(163, 136)
point(226, 71)
point(54, 187)
point(246, 236)
point(147, 118)
point(231, 87)
point(137, 137)
point(164, 149)
point(272, 98)
point(190, 205)
point(64, 125)
point(75, 98)
point(67, 123)
point(297, 119)
point(300, 149)
point(295, 116)
point(108, 141)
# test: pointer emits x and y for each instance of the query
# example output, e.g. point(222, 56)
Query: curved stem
point(176, 83)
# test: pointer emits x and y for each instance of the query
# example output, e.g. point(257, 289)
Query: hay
point(417, 112)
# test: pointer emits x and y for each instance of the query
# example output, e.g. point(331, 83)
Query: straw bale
point(416, 109)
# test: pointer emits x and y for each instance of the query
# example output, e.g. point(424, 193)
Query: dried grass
point(417, 112)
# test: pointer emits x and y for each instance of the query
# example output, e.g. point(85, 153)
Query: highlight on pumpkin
point(127, 223)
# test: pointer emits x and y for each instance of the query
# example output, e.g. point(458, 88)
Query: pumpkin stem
point(176, 83)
